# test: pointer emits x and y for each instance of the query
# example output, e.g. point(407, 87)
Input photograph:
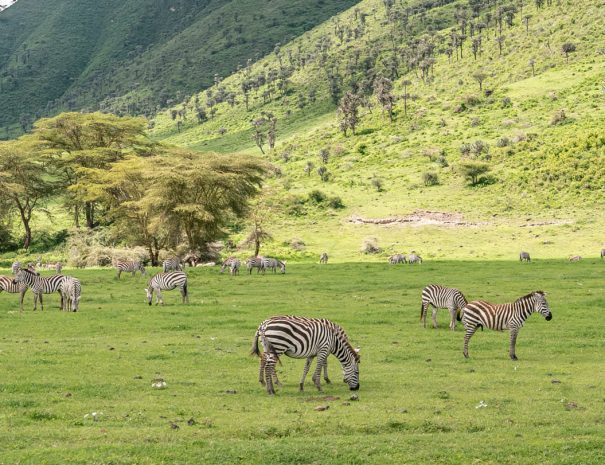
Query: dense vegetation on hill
point(130, 57)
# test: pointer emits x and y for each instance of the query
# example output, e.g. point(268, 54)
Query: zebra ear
point(357, 349)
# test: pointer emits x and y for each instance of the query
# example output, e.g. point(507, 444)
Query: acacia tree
point(383, 89)
point(479, 76)
point(568, 48)
point(348, 111)
point(24, 181)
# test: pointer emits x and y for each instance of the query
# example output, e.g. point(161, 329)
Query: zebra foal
point(509, 316)
point(129, 267)
point(167, 282)
point(299, 337)
point(441, 297)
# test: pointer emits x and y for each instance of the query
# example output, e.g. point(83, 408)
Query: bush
point(335, 202)
point(430, 178)
point(317, 196)
point(558, 118)
point(506, 102)
point(297, 244)
point(503, 142)
point(370, 246)
point(377, 184)
point(472, 170)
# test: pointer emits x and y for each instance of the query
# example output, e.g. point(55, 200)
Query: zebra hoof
point(327, 381)
point(465, 354)
point(513, 357)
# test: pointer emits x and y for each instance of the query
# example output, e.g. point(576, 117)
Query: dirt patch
point(418, 218)
point(322, 399)
point(546, 223)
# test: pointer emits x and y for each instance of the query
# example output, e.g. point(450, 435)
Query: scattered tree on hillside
point(324, 155)
point(480, 77)
point(473, 170)
point(532, 63)
point(406, 83)
point(383, 89)
point(309, 167)
point(568, 48)
point(348, 111)
point(258, 125)
point(258, 233)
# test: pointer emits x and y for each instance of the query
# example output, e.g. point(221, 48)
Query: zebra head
point(141, 268)
point(24, 275)
point(350, 369)
point(149, 291)
point(541, 305)
point(282, 266)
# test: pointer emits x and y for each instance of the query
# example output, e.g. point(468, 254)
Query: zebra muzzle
point(549, 317)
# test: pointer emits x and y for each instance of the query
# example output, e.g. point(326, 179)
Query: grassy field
point(419, 398)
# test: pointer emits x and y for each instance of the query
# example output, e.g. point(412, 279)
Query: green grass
point(418, 396)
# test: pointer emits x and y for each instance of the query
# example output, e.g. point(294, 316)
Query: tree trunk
point(77, 216)
point(25, 218)
point(256, 247)
point(90, 218)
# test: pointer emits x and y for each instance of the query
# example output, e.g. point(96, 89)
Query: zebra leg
point(513, 343)
point(261, 371)
point(470, 330)
point(158, 297)
point(423, 309)
point(453, 314)
point(21, 300)
point(326, 379)
point(434, 312)
point(305, 371)
point(41, 303)
point(119, 273)
point(321, 360)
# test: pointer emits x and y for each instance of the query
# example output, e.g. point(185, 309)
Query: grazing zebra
point(441, 297)
point(167, 282)
point(413, 258)
point(227, 263)
point(268, 263)
point(323, 258)
point(234, 266)
point(71, 290)
point(397, 258)
point(524, 257)
point(16, 266)
point(129, 267)
point(39, 285)
point(299, 337)
point(503, 316)
point(172, 264)
point(267, 373)
point(575, 258)
point(254, 262)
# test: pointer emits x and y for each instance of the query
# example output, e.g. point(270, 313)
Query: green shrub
point(317, 196)
point(335, 202)
point(430, 178)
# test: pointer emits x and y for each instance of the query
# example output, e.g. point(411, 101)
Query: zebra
point(167, 282)
point(7, 285)
point(254, 262)
point(234, 267)
point(323, 258)
point(442, 297)
point(16, 266)
point(575, 258)
point(129, 267)
point(413, 258)
point(229, 263)
point(524, 257)
point(503, 316)
point(272, 264)
point(172, 264)
point(267, 373)
point(300, 337)
point(39, 285)
point(397, 258)
point(602, 253)
point(71, 290)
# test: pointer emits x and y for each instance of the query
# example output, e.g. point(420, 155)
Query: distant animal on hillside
point(524, 257)
point(172, 264)
point(167, 282)
point(575, 258)
point(602, 253)
point(129, 267)
point(413, 258)
point(442, 297)
point(272, 264)
point(323, 258)
point(509, 316)
point(254, 262)
point(397, 258)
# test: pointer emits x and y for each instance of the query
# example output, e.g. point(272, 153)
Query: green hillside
point(130, 57)
point(537, 122)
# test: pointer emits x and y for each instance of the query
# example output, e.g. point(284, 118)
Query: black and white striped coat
point(323, 258)
point(397, 258)
point(167, 282)
point(233, 264)
point(16, 266)
point(300, 337)
point(524, 257)
point(413, 258)
point(7, 285)
point(39, 285)
point(267, 373)
point(509, 316)
point(254, 262)
point(172, 264)
point(441, 297)
point(268, 263)
point(71, 290)
point(128, 266)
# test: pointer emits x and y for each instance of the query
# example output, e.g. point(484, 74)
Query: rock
point(173, 425)
point(556, 381)
point(191, 422)
point(354, 397)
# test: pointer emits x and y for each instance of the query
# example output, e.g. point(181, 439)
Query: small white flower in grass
point(481, 404)
point(94, 415)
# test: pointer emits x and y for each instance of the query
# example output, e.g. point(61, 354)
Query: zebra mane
point(30, 271)
point(530, 295)
point(344, 341)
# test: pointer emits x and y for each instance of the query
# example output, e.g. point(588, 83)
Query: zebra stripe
point(397, 258)
point(172, 264)
point(129, 267)
point(233, 264)
point(39, 285)
point(300, 337)
point(441, 297)
point(267, 373)
point(524, 257)
point(503, 316)
point(323, 258)
point(71, 290)
point(167, 282)
point(268, 263)
point(254, 262)
point(602, 253)
point(16, 266)
point(413, 258)
point(7, 285)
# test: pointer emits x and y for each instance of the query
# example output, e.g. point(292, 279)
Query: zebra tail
point(422, 310)
point(185, 290)
point(255, 350)
point(459, 315)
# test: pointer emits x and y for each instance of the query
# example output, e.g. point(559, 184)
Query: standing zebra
point(129, 267)
point(272, 264)
point(39, 285)
point(323, 258)
point(299, 337)
point(71, 290)
point(503, 316)
point(58, 267)
point(441, 297)
point(7, 285)
point(397, 258)
point(229, 263)
point(602, 253)
point(524, 257)
point(172, 264)
point(254, 262)
point(234, 267)
point(413, 258)
point(16, 266)
point(167, 282)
